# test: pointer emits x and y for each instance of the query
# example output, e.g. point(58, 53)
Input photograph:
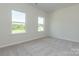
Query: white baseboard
point(67, 39)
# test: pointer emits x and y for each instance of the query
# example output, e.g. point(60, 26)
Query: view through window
point(18, 22)
point(40, 24)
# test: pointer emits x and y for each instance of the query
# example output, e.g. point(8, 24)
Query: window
point(40, 24)
point(18, 22)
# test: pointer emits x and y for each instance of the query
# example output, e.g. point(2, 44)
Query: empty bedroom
point(39, 29)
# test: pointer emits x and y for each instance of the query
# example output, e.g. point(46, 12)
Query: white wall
point(64, 23)
point(6, 37)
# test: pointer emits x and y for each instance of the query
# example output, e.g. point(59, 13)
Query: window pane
point(40, 24)
point(40, 20)
point(40, 28)
point(18, 22)
point(18, 16)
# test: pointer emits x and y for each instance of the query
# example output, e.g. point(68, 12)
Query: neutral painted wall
point(64, 23)
point(6, 37)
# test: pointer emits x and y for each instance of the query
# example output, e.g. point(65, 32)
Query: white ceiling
point(50, 7)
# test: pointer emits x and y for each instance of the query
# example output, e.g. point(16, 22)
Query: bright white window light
point(18, 22)
point(40, 24)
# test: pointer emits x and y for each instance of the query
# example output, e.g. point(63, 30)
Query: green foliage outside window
point(18, 27)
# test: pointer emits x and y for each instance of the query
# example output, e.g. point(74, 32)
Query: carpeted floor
point(42, 47)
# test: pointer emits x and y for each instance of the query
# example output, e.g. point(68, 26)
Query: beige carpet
point(42, 47)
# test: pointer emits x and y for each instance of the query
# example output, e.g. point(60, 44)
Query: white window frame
point(18, 21)
point(42, 25)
